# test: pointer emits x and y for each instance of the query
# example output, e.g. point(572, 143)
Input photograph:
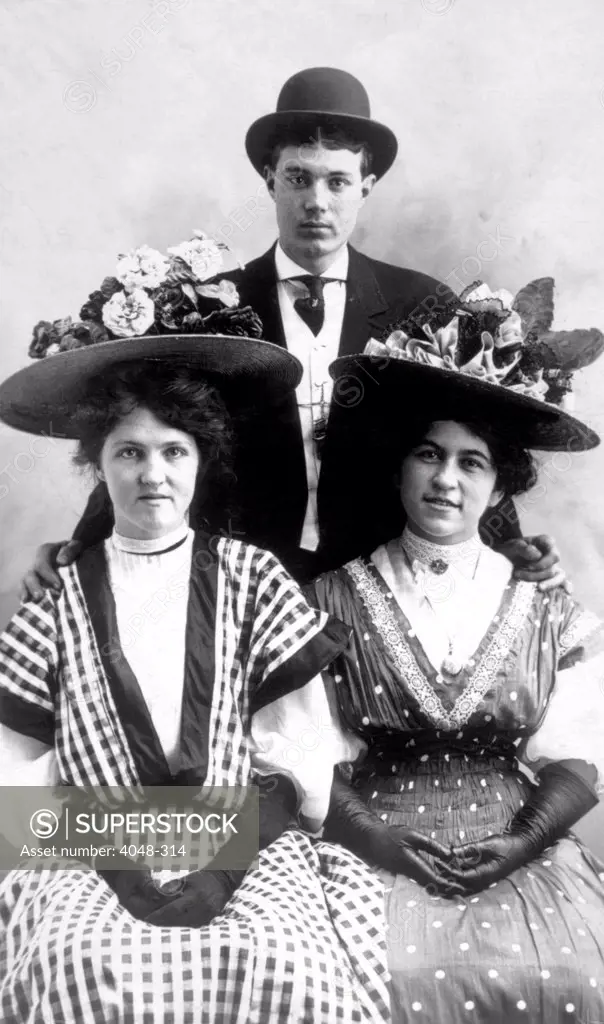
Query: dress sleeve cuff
point(572, 726)
point(27, 718)
point(306, 663)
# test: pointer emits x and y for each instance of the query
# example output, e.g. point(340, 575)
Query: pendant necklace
point(450, 665)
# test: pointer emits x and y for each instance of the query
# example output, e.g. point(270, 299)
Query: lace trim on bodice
point(497, 649)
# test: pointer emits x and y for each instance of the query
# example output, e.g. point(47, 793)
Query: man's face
point(318, 193)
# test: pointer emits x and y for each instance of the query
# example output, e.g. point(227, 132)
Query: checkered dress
point(302, 938)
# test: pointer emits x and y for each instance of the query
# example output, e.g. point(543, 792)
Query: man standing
point(305, 479)
point(321, 155)
point(306, 490)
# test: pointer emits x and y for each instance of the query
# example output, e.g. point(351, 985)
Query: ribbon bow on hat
point(497, 358)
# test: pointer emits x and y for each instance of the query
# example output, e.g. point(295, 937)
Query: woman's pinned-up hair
point(382, 445)
point(177, 398)
point(514, 465)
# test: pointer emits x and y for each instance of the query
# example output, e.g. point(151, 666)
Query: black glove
point(201, 895)
point(352, 824)
point(277, 807)
point(561, 799)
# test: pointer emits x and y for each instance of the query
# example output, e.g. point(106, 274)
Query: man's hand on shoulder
point(537, 560)
point(43, 574)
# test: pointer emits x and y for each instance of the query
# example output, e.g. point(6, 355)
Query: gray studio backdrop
point(123, 123)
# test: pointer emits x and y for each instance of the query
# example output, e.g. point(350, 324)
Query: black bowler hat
point(322, 99)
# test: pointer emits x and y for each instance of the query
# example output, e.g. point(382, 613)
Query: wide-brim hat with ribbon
point(495, 361)
point(159, 309)
point(317, 99)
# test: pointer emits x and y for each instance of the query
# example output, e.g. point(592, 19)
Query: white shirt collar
point(155, 546)
point(286, 267)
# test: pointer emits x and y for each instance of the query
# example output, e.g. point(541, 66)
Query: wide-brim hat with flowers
point(497, 360)
point(319, 98)
point(156, 309)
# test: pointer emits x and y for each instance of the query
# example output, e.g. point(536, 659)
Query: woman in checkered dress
point(191, 659)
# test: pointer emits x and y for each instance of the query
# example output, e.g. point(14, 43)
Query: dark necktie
point(312, 306)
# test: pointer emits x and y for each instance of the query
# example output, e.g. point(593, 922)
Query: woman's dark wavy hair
point(514, 465)
point(179, 399)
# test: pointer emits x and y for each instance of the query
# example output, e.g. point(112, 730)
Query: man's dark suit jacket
point(357, 508)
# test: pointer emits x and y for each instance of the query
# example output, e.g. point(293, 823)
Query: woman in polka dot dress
point(456, 676)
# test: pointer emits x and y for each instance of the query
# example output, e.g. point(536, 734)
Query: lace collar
point(426, 554)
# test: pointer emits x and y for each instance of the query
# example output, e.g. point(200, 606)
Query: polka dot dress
point(529, 948)
point(442, 759)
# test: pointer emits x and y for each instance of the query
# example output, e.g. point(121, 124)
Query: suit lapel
point(273, 496)
point(258, 287)
point(364, 302)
